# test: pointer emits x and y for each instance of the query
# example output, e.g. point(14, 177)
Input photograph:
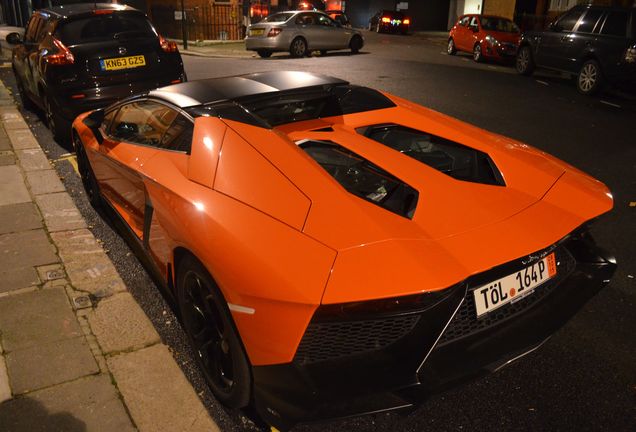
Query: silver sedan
point(301, 32)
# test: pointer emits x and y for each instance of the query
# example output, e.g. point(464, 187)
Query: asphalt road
point(584, 378)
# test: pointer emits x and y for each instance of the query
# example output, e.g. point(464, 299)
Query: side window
point(178, 137)
point(43, 28)
point(588, 23)
point(616, 23)
point(324, 21)
point(464, 21)
point(474, 22)
point(142, 122)
point(569, 20)
point(305, 19)
point(108, 119)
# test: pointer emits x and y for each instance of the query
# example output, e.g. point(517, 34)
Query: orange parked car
point(485, 36)
point(335, 250)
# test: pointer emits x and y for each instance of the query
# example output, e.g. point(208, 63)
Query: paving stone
point(5, 389)
point(33, 159)
point(19, 254)
point(119, 324)
point(22, 139)
point(36, 317)
point(19, 217)
point(7, 159)
point(152, 386)
point(5, 144)
point(44, 182)
point(59, 212)
point(88, 404)
point(12, 187)
point(87, 266)
point(50, 363)
point(14, 123)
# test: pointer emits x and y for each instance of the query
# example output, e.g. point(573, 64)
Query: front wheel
point(209, 326)
point(590, 78)
point(524, 62)
point(450, 48)
point(298, 47)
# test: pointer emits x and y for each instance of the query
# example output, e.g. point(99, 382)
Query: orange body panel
point(281, 236)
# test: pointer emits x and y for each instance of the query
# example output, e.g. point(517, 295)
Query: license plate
point(257, 32)
point(513, 287)
point(122, 62)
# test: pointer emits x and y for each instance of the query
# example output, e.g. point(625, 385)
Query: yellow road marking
point(72, 159)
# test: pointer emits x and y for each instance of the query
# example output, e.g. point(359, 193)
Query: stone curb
point(113, 327)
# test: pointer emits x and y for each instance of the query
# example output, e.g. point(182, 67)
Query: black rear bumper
point(445, 346)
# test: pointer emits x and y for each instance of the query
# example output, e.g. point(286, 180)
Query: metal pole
point(184, 30)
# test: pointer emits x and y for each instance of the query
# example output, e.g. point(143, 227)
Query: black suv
point(594, 43)
point(80, 57)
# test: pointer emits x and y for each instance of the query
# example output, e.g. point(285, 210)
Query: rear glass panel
point(588, 22)
point(569, 19)
point(453, 159)
point(363, 178)
point(313, 104)
point(279, 17)
point(106, 27)
point(499, 25)
point(616, 23)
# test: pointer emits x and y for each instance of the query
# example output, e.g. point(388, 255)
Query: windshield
point(499, 24)
point(279, 17)
point(99, 28)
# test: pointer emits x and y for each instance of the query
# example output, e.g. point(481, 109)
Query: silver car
point(301, 32)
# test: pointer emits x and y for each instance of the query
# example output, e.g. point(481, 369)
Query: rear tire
point(58, 127)
point(355, 44)
point(264, 53)
point(450, 48)
point(590, 78)
point(298, 48)
point(26, 101)
point(207, 322)
point(524, 62)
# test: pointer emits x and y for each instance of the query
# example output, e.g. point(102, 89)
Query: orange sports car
point(335, 250)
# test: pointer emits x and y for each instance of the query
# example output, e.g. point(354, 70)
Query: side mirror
point(94, 120)
point(14, 38)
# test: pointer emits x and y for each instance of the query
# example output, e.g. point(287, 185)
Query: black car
point(597, 44)
point(77, 58)
point(387, 21)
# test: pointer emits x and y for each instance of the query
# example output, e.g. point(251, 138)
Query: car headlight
point(491, 40)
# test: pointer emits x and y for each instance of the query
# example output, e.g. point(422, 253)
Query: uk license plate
point(118, 63)
point(514, 286)
point(257, 32)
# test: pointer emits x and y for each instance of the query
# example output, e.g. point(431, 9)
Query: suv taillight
point(63, 56)
point(630, 55)
point(168, 46)
point(274, 31)
point(386, 19)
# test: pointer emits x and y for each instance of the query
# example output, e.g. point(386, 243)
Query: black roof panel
point(212, 90)
point(83, 8)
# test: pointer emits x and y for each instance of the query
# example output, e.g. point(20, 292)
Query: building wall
point(429, 15)
point(503, 8)
point(359, 11)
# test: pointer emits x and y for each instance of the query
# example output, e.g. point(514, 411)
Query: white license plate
point(514, 286)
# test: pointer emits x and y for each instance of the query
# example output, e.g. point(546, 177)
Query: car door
point(579, 42)
point(132, 138)
point(462, 33)
point(552, 49)
point(332, 36)
point(24, 54)
point(306, 28)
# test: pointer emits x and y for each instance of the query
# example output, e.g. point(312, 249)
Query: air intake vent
point(453, 159)
point(325, 129)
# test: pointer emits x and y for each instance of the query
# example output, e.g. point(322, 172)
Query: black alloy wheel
point(209, 326)
point(27, 103)
point(264, 53)
point(86, 173)
point(298, 47)
point(524, 62)
point(477, 56)
point(590, 78)
point(356, 44)
point(450, 48)
point(53, 120)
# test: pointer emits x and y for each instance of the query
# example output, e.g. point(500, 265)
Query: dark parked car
point(80, 57)
point(597, 44)
point(387, 21)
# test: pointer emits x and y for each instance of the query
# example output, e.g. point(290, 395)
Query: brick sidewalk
point(76, 351)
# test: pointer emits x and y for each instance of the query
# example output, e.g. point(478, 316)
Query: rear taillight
point(386, 19)
point(168, 46)
point(275, 31)
point(63, 56)
point(406, 21)
point(630, 55)
point(103, 11)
